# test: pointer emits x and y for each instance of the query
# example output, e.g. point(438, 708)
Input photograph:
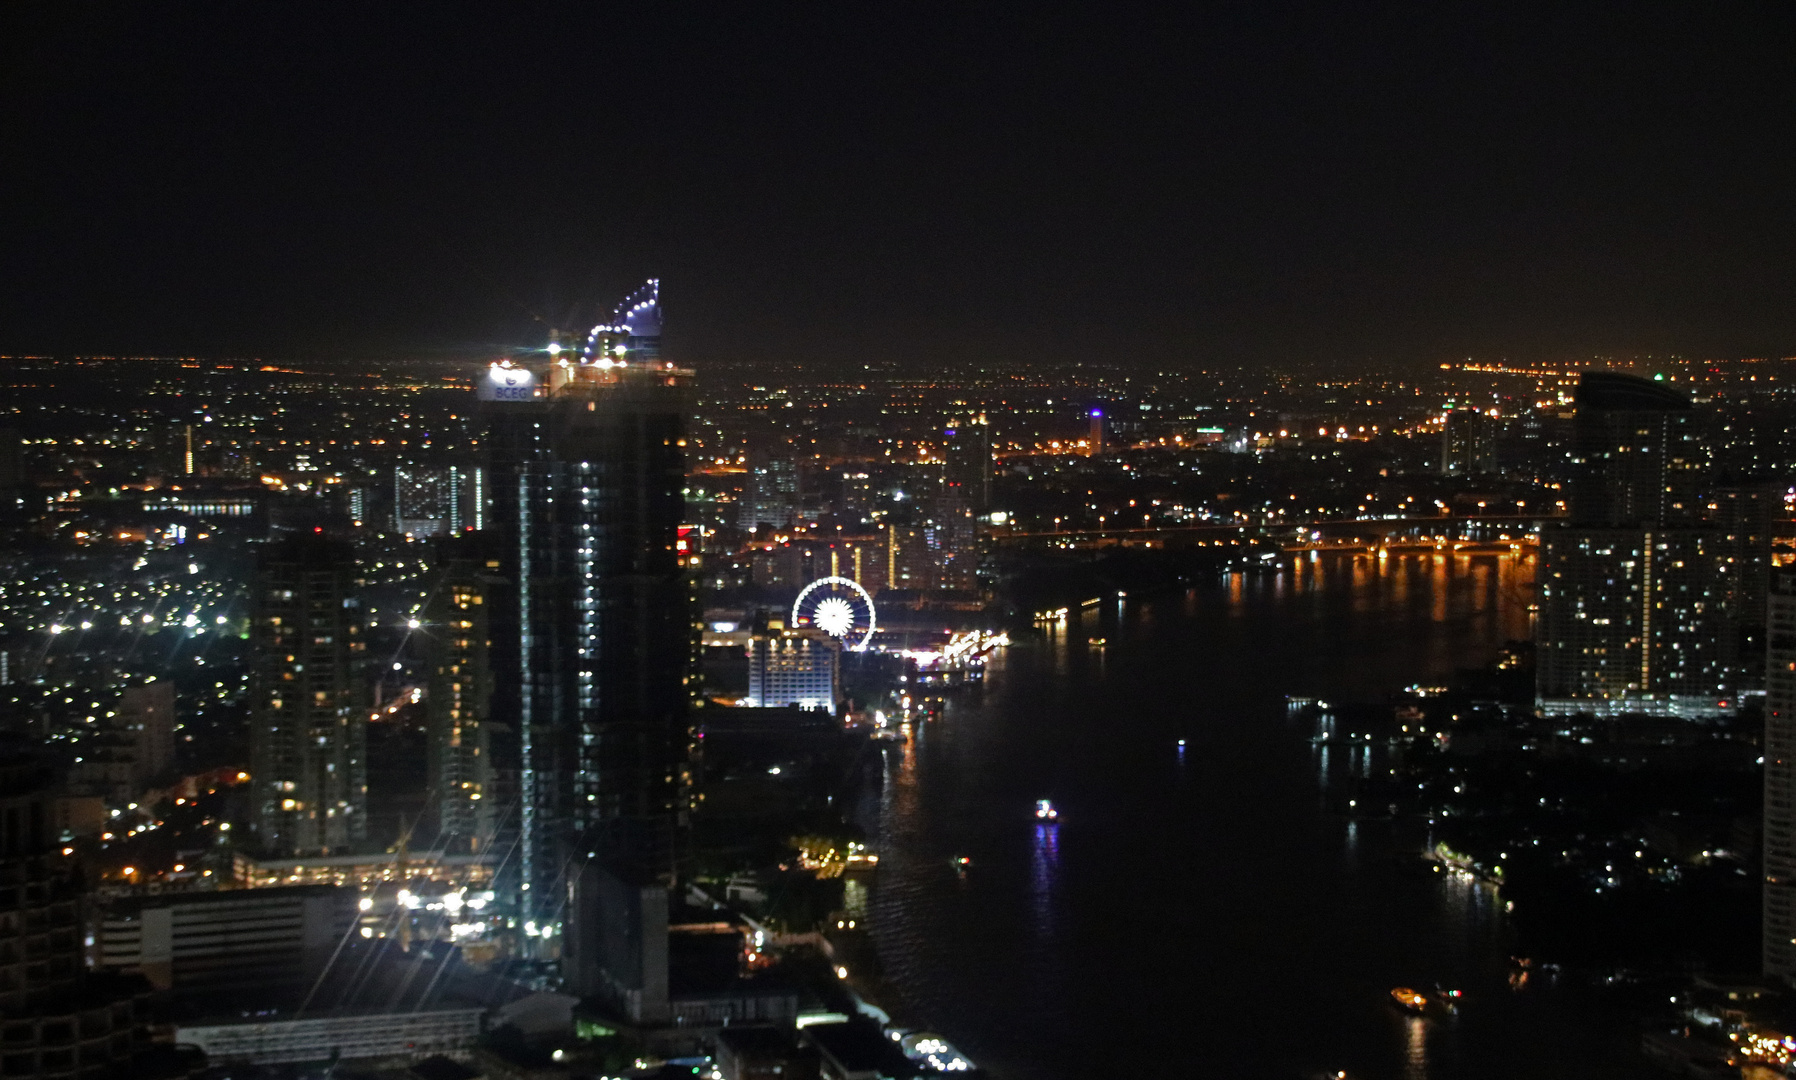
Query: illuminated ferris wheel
point(839, 607)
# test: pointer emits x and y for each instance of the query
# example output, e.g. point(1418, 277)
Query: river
point(1200, 912)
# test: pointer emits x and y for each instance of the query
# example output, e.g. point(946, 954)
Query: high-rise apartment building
point(435, 500)
point(457, 652)
point(771, 497)
point(1780, 781)
point(1640, 456)
point(1468, 443)
point(967, 446)
point(587, 469)
point(308, 706)
point(1640, 589)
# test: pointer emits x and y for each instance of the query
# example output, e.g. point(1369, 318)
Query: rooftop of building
point(1611, 391)
point(130, 905)
point(859, 1046)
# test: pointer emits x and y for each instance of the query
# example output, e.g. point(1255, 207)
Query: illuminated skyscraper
point(308, 702)
point(587, 471)
point(457, 652)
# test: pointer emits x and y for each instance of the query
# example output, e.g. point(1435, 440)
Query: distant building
point(910, 557)
point(968, 448)
point(1780, 782)
point(308, 704)
point(1468, 443)
point(793, 667)
point(770, 490)
point(147, 714)
point(631, 945)
point(797, 563)
point(434, 500)
point(12, 459)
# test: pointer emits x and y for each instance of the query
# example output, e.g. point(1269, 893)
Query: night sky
point(942, 183)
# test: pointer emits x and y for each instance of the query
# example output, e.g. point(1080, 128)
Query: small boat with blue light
point(1045, 813)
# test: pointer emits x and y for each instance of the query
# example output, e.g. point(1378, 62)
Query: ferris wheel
point(839, 607)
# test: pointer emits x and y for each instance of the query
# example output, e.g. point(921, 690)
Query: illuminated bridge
point(1344, 534)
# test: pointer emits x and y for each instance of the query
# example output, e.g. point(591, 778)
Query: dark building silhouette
point(968, 449)
point(56, 1018)
point(1639, 455)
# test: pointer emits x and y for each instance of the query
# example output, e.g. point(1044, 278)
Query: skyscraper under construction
point(590, 658)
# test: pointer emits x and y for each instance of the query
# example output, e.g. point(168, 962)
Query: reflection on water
point(1044, 864)
point(1415, 1060)
point(1173, 911)
point(854, 897)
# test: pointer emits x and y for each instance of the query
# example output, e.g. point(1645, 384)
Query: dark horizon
point(1260, 185)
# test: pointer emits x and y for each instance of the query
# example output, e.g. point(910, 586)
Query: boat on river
point(1408, 1000)
point(1045, 812)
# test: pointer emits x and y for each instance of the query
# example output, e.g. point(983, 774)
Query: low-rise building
point(419, 1033)
point(219, 940)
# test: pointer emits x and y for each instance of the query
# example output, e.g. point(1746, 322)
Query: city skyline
point(718, 543)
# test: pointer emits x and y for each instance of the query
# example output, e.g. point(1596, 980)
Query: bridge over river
point(1333, 534)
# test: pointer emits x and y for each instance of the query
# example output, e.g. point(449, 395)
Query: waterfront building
point(308, 705)
point(793, 667)
point(1779, 832)
point(1639, 457)
point(587, 469)
point(1640, 588)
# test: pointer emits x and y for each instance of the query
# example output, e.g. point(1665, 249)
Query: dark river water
point(1204, 913)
